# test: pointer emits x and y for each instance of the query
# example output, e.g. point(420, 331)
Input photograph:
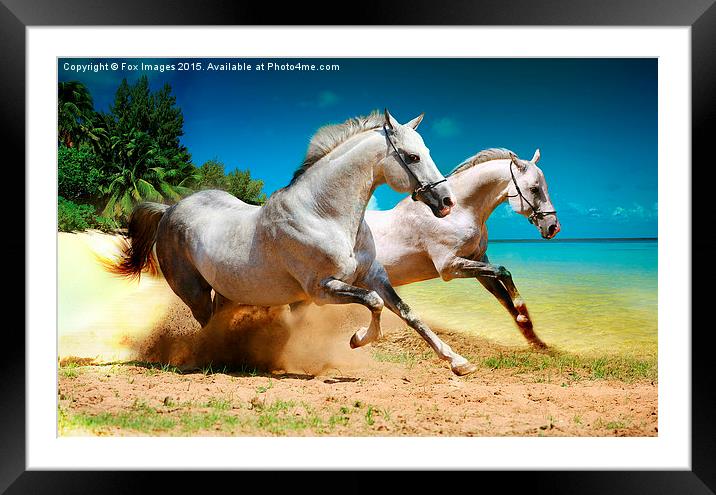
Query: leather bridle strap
point(536, 213)
point(421, 187)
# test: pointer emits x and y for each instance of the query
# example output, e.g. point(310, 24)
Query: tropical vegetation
point(110, 161)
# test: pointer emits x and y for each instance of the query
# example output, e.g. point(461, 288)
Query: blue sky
point(594, 120)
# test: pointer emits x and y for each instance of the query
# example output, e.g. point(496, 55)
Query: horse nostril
point(448, 201)
point(552, 228)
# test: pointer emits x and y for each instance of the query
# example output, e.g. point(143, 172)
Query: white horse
point(309, 242)
point(412, 246)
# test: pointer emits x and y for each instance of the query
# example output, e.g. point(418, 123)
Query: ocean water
point(591, 296)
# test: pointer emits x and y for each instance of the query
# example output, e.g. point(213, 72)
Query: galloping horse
point(413, 247)
point(308, 242)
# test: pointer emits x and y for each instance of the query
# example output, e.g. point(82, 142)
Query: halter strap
point(421, 187)
point(536, 213)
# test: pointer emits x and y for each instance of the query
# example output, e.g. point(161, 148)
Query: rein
point(421, 187)
point(536, 213)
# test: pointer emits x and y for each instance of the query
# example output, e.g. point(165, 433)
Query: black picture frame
point(700, 15)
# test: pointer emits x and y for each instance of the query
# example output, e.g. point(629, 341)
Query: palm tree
point(141, 171)
point(75, 112)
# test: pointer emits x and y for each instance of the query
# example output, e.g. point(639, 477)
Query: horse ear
point(416, 121)
point(518, 163)
point(536, 156)
point(390, 121)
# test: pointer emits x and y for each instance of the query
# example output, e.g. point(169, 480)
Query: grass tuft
point(624, 368)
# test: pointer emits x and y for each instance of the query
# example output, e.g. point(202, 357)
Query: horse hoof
point(464, 369)
point(522, 319)
point(354, 341)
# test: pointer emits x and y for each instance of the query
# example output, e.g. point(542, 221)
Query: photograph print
point(357, 247)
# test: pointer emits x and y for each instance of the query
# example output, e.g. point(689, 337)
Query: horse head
point(408, 166)
point(528, 195)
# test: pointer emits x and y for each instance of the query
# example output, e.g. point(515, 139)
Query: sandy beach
point(136, 363)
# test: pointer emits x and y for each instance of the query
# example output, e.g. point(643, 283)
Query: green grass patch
point(338, 419)
point(193, 422)
point(218, 404)
point(262, 390)
point(280, 417)
point(71, 370)
point(69, 373)
point(625, 368)
point(142, 420)
point(369, 416)
point(619, 424)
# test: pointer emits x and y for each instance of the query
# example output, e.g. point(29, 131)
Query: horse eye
point(534, 189)
point(412, 158)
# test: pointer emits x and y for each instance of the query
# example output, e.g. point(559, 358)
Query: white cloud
point(636, 211)
point(619, 212)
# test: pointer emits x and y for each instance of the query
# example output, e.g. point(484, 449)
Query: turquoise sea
point(587, 296)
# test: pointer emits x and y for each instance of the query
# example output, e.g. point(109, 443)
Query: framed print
point(164, 140)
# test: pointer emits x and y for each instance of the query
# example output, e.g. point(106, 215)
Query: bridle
point(536, 213)
point(421, 187)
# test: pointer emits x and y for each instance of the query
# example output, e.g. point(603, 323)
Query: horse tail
point(141, 235)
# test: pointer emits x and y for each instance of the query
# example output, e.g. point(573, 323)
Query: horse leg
point(334, 291)
point(195, 292)
point(509, 296)
point(186, 282)
point(522, 319)
point(465, 268)
point(505, 290)
point(378, 280)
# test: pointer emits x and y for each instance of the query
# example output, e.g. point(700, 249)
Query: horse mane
point(329, 137)
point(482, 157)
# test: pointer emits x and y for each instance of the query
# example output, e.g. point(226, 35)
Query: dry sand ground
point(322, 387)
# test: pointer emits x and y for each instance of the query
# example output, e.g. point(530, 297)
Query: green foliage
point(72, 217)
point(141, 170)
point(211, 175)
point(145, 159)
point(136, 108)
point(238, 182)
point(78, 173)
point(75, 111)
point(132, 153)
